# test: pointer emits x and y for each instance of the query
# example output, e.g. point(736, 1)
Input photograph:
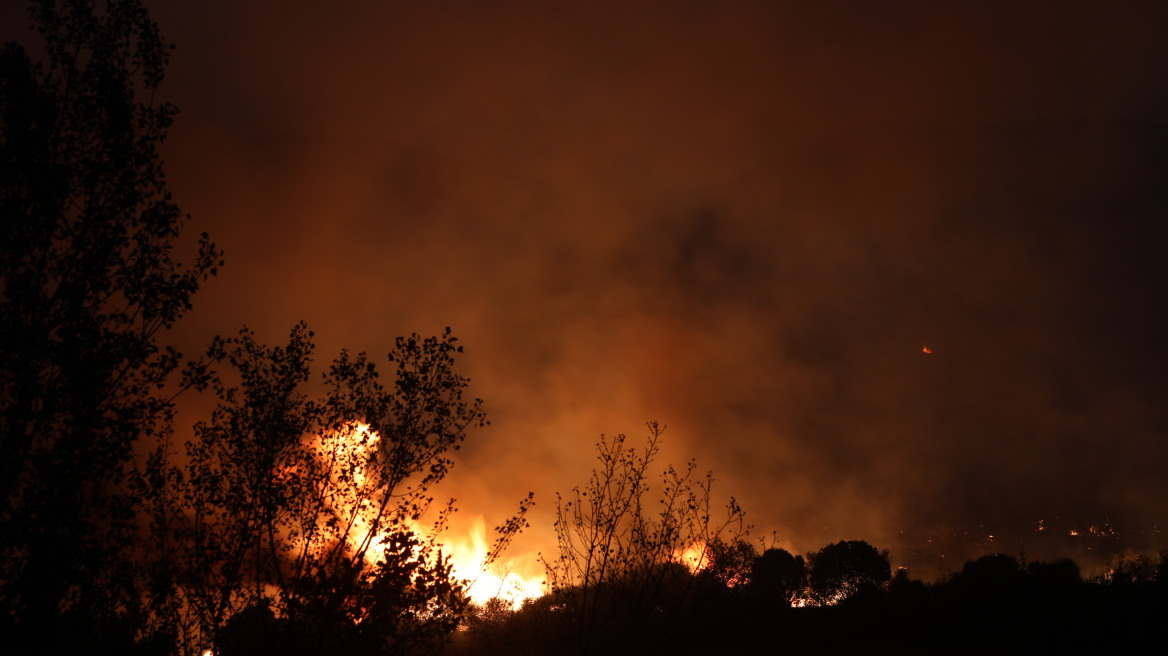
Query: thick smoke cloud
point(745, 222)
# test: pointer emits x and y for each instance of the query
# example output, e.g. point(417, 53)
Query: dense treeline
point(841, 600)
point(681, 579)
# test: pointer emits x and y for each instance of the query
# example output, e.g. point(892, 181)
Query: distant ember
point(926, 350)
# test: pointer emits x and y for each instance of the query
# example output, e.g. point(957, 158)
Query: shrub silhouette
point(620, 578)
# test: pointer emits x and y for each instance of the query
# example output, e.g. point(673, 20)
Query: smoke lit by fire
point(645, 226)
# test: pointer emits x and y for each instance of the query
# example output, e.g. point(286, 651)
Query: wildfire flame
point(694, 557)
point(503, 580)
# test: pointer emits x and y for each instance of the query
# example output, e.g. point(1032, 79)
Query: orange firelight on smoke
point(926, 350)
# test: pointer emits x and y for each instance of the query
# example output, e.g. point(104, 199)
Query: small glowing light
point(927, 351)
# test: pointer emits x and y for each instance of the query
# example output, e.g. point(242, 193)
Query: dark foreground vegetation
point(847, 604)
point(299, 518)
point(290, 520)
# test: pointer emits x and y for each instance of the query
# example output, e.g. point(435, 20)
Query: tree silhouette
point(88, 284)
point(1132, 567)
point(302, 516)
point(730, 563)
point(845, 568)
point(777, 578)
point(907, 595)
point(288, 518)
point(989, 577)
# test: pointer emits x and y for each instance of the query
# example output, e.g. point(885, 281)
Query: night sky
point(744, 220)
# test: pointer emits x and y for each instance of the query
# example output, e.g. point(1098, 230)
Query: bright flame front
point(503, 579)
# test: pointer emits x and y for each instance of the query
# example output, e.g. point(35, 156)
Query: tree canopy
point(89, 282)
point(845, 568)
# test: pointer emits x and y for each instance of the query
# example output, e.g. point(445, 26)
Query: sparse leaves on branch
point(628, 545)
